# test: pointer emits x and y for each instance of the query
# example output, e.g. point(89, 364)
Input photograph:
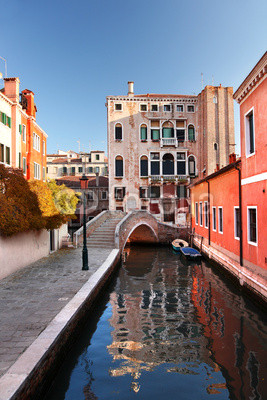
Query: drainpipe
point(240, 214)
point(209, 208)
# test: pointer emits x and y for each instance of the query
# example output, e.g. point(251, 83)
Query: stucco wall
point(21, 250)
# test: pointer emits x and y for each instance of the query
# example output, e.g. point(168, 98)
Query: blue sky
point(72, 54)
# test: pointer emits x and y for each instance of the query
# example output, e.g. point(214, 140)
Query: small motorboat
point(177, 244)
point(190, 253)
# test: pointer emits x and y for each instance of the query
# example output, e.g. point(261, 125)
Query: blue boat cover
point(189, 251)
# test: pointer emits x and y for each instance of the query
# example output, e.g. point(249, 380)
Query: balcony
point(169, 178)
point(168, 142)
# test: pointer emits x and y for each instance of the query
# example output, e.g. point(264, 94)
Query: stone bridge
point(113, 229)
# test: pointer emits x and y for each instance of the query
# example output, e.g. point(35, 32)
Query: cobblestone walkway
point(33, 296)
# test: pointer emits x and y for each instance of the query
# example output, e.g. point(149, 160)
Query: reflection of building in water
point(228, 333)
point(152, 317)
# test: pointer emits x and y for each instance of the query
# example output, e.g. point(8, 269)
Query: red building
point(228, 213)
point(22, 140)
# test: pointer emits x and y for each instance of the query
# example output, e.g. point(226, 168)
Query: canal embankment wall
point(32, 373)
point(254, 279)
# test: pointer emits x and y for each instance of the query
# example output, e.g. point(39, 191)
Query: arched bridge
point(113, 229)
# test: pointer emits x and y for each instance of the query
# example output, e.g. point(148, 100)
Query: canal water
point(167, 328)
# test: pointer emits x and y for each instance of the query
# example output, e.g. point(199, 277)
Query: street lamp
point(83, 181)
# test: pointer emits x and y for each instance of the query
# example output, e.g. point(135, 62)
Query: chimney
point(97, 179)
point(232, 158)
point(130, 89)
point(29, 95)
point(217, 167)
point(12, 89)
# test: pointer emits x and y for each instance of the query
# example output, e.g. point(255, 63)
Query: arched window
point(192, 166)
point(118, 167)
point(167, 130)
point(118, 132)
point(144, 166)
point(191, 133)
point(143, 132)
point(215, 146)
point(168, 164)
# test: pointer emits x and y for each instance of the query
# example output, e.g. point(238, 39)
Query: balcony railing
point(168, 178)
point(168, 142)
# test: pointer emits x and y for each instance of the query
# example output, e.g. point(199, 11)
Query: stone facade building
point(70, 163)
point(158, 143)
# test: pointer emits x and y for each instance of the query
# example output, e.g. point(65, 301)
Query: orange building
point(22, 141)
point(229, 206)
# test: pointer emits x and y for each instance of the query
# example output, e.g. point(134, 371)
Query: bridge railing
point(92, 225)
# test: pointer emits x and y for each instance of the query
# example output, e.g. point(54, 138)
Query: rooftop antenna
point(79, 143)
point(5, 66)
point(202, 81)
point(89, 146)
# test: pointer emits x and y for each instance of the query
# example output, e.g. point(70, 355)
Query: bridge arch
point(137, 226)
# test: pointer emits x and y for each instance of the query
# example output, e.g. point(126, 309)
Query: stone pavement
point(32, 297)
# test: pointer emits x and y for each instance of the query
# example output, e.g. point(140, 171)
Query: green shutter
point(167, 133)
point(143, 133)
point(155, 134)
point(9, 121)
point(191, 133)
point(20, 129)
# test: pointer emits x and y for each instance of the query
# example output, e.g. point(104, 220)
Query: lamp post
point(83, 181)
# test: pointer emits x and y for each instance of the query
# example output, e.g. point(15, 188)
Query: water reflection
point(168, 328)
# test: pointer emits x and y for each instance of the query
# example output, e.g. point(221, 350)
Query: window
point(168, 164)
point(36, 142)
point(250, 135)
point(144, 166)
point(196, 211)
point(206, 214)
point(181, 164)
point(191, 133)
point(190, 108)
point(237, 222)
point(192, 166)
point(104, 195)
point(97, 157)
point(19, 159)
point(143, 132)
point(215, 146)
point(154, 192)
point(143, 107)
point(80, 169)
point(167, 133)
point(119, 193)
point(43, 148)
point(181, 191)
point(180, 108)
point(252, 225)
point(118, 167)
point(24, 133)
point(90, 195)
point(180, 133)
point(8, 155)
point(2, 153)
point(143, 192)
point(154, 164)
point(90, 170)
point(155, 135)
point(72, 170)
point(43, 173)
point(200, 214)
point(118, 132)
point(24, 165)
point(97, 170)
point(36, 171)
point(154, 107)
point(167, 107)
point(3, 118)
point(214, 222)
point(220, 219)
point(118, 107)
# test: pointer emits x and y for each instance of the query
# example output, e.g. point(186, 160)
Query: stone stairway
point(104, 235)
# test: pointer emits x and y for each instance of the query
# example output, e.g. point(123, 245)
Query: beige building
point(70, 163)
point(158, 143)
